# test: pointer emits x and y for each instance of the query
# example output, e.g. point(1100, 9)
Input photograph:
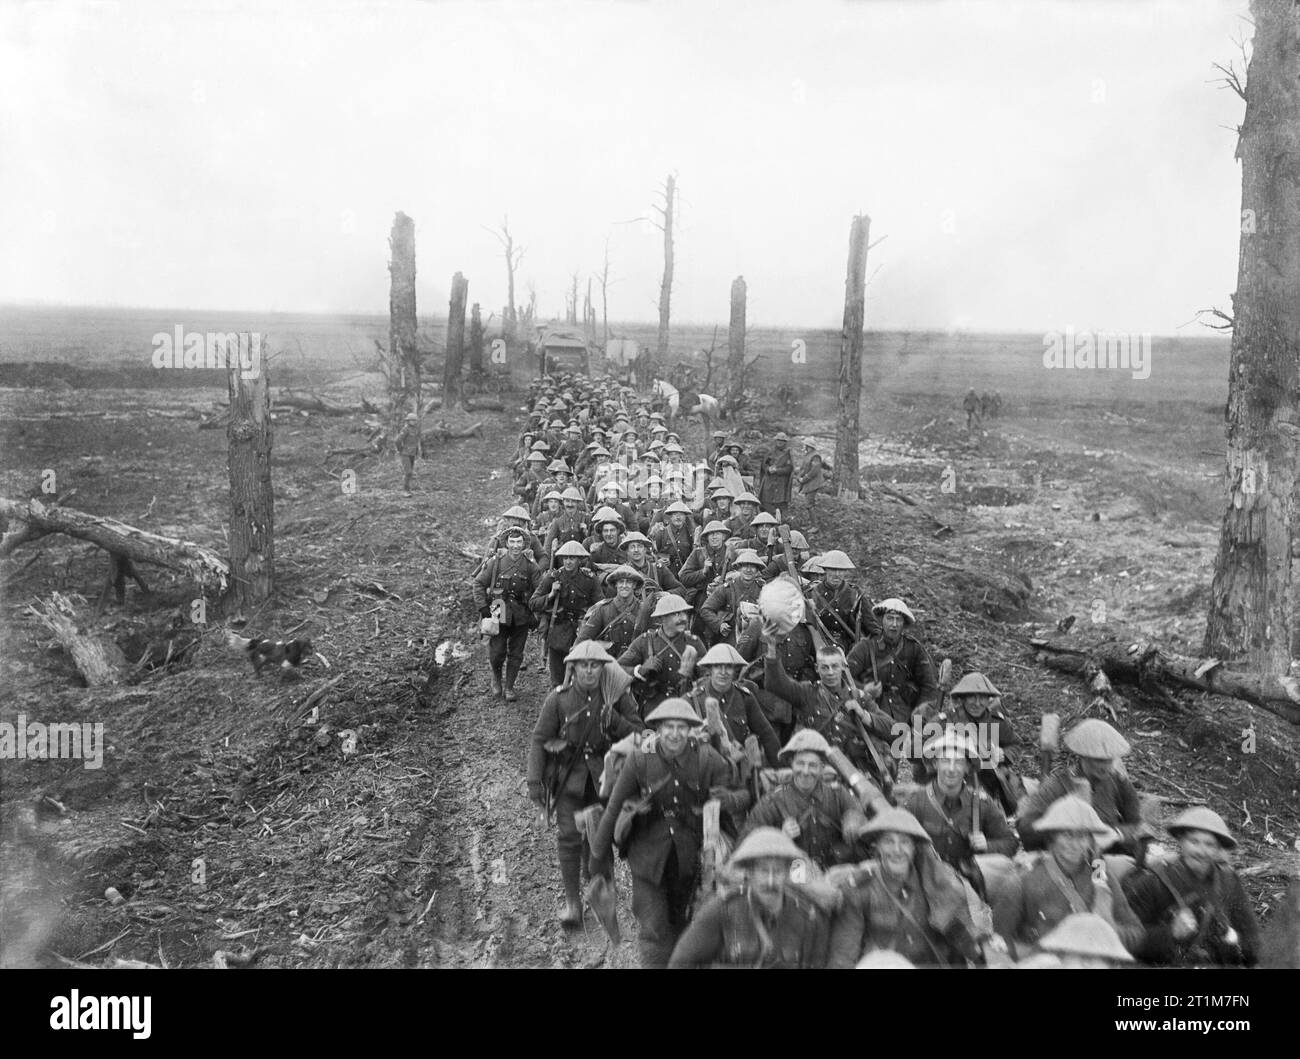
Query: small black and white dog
point(288, 653)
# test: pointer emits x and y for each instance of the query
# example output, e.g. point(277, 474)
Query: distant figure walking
point(971, 406)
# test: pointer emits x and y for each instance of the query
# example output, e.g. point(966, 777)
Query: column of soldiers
point(802, 792)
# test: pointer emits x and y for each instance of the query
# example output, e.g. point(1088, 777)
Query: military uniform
point(564, 528)
point(823, 815)
point(696, 575)
point(532, 545)
point(1001, 783)
point(949, 823)
point(731, 930)
point(656, 578)
point(1113, 798)
point(613, 622)
point(589, 725)
point(877, 916)
point(578, 593)
point(798, 656)
point(514, 581)
point(845, 612)
point(1048, 894)
point(1218, 903)
point(906, 674)
point(664, 845)
point(601, 552)
point(724, 603)
point(674, 545)
point(741, 714)
point(774, 482)
point(825, 712)
point(666, 681)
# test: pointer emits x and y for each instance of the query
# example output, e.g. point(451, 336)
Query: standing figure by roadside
point(501, 592)
point(410, 447)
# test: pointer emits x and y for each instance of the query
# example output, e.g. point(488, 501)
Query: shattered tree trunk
point(98, 660)
point(666, 287)
point(30, 519)
point(1126, 662)
point(475, 341)
point(403, 350)
point(252, 499)
point(1250, 596)
point(451, 385)
point(736, 344)
point(847, 482)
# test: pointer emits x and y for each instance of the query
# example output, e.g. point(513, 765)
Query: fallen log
point(1142, 663)
point(29, 519)
point(472, 404)
point(99, 661)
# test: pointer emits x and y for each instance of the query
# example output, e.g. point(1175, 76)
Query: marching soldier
point(614, 620)
point(1070, 878)
point(718, 507)
point(762, 538)
point(607, 527)
point(674, 540)
point(962, 821)
point(552, 506)
point(1194, 908)
point(568, 525)
point(824, 820)
point(767, 921)
point(409, 447)
point(907, 900)
point(975, 702)
point(564, 595)
point(971, 406)
point(798, 655)
point(841, 607)
point(738, 709)
point(745, 507)
point(707, 563)
point(635, 547)
point(798, 548)
point(832, 708)
point(668, 785)
point(775, 475)
point(515, 518)
point(662, 660)
point(723, 612)
point(502, 590)
point(902, 677)
point(527, 485)
point(578, 723)
point(1098, 747)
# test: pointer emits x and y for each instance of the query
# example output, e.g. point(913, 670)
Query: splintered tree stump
point(99, 661)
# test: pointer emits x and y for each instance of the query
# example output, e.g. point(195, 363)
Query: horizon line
point(694, 324)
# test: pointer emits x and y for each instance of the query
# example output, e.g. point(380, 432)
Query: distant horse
point(704, 405)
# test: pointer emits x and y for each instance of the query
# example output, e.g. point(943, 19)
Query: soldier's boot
point(512, 672)
point(496, 685)
point(569, 874)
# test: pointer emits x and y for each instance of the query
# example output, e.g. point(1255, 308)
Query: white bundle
point(781, 602)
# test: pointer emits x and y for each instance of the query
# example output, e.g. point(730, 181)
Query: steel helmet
point(974, 684)
point(721, 654)
point(589, 651)
point(893, 603)
point(1096, 739)
point(764, 842)
point(835, 560)
point(806, 740)
point(669, 604)
point(572, 549)
point(1201, 818)
point(674, 710)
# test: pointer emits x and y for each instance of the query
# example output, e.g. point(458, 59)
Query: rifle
point(882, 770)
point(548, 795)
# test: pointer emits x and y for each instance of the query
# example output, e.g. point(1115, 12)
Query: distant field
point(902, 364)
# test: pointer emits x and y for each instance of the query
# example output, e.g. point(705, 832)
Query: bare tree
point(736, 344)
point(452, 391)
point(404, 357)
point(514, 254)
point(1250, 597)
point(847, 483)
point(666, 285)
point(249, 434)
point(604, 281)
point(571, 304)
point(475, 341)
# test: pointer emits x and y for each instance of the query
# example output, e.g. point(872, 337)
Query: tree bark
point(666, 287)
point(1140, 663)
point(98, 660)
point(847, 482)
point(403, 348)
point(475, 341)
point(451, 387)
point(736, 343)
point(252, 499)
point(1250, 596)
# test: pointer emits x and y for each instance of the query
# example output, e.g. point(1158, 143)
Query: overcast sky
point(1031, 165)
